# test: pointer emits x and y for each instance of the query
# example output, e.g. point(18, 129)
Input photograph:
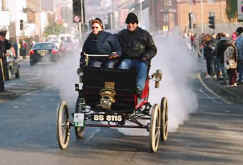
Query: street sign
point(240, 10)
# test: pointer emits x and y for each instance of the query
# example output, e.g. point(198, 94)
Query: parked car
point(43, 53)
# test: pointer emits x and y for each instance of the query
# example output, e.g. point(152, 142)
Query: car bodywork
point(43, 52)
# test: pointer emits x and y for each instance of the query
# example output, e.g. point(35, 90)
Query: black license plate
point(106, 117)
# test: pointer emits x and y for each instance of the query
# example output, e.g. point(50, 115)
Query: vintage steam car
point(107, 99)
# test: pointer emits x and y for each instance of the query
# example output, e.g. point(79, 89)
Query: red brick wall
point(184, 8)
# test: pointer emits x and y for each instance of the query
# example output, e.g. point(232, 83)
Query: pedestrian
point(23, 49)
point(239, 45)
point(4, 45)
point(15, 45)
point(208, 51)
point(234, 36)
point(100, 42)
point(221, 46)
point(230, 63)
point(138, 49)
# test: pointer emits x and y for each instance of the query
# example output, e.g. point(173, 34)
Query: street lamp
point(202, 26)
point(141, 12)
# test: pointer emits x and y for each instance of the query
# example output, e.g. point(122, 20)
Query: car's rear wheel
point(164, 119)
point(32, 63)
point(10, 75)
point(17, 75)
point(155, 129)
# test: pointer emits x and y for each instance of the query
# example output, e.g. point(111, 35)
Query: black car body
point(43, 53)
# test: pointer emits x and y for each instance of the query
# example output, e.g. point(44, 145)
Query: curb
point(7, 95)
point(211, 91)
point(228, 95)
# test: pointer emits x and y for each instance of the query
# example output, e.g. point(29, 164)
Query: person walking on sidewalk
point(4, 45)
point(23, 49)
point(221, 46)
point(230, 63)
point(239, 45)
point(208, 53)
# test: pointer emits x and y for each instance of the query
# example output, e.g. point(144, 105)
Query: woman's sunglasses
point(95, 27)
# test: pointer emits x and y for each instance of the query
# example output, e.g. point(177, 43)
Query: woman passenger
point(100, 42)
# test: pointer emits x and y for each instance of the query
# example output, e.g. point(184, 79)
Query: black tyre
point(63, 126)
point(10, 75)
point(154, 132)
point(32, 63)
point(79, 131)
point(164, 119)
point(17, 75)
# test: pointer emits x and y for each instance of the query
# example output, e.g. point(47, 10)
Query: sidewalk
point(232, 94)
point(17, 87)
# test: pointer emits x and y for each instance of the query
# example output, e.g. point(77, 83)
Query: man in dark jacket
point(221, 46)
point(4, 45)
point(239, 45)
point(100, 42)
point(138, 49)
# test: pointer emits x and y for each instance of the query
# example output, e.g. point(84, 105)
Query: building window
point(211, 1)
point(165, 2)
point(166, 18)
point(211, 13)
point(169, 2)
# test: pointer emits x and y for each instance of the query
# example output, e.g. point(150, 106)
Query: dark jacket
point(239, 45)
point(103, 43)
point(5, 45)
point(137, 45)
point(221, 46)
point(208, 50)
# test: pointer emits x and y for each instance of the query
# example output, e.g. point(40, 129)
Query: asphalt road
point(211, 136)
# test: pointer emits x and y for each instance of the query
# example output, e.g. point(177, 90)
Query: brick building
point(200, 10)
point(47, 5)
point(163, 14)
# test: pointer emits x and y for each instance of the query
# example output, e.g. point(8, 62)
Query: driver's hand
point(113, 55)
point(144, 59)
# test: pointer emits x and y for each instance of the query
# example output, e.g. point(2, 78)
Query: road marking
point(209, 97)
point(211, 91)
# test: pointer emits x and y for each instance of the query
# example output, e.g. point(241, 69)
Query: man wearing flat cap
point(138, 49)
point(4, 45)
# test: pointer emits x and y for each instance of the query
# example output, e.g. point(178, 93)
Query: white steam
point(62, 76)
point(178, 66)
point(105, 3)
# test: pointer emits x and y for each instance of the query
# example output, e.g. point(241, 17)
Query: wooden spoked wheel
point(155, 129)
point(63, 126)
point(164, 119)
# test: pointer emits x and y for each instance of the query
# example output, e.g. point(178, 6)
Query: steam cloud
point(178, 66)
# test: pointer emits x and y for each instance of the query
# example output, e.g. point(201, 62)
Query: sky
point(97, 8)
